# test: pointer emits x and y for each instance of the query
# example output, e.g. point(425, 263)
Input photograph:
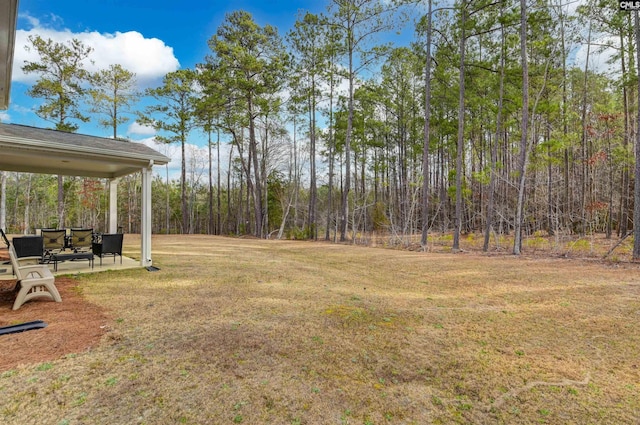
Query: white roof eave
point(54, 147)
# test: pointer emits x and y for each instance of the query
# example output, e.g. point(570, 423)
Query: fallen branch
point(514, 393)
point(617, 245)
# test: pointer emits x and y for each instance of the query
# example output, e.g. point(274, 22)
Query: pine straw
point(72, 326)
point(269, 332)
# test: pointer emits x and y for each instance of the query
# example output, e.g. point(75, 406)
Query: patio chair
point(111, 244)
point(34, 281)
point(54, 241)
point(81, 239)
point(29, 249)
point(4, 238)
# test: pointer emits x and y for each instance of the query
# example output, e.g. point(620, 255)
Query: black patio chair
point(110, 244)
point(81, 239)
point(54, 241)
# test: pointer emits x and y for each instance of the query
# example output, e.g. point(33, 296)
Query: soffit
point(35, 150)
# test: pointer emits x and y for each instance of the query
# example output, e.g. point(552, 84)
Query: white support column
point(113, 206)
point(145, 229)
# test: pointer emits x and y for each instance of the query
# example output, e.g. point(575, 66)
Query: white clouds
point(4, 117)
point(571, 6)
point(33, 21)
point(598, 57)
point(141, 130)
point(149, 58)
point(196, 157)
point(171, 151)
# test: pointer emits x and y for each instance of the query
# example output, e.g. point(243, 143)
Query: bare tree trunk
point(566, 201)
point(284, 220)
point(265, 178)
point(296, 177)
point(583, 146)
point(183, 190)
point(327, 235)
point(427, 131)
point(14, 213)
point(211, 230)
point(219, 212)
point(609, 228)
point(636, 194)
point(459, 152)
point(256, 186)
point(494, 148)
point(624, 185)
point(313, 190)
point(551, 223)
point(347, 155)
point(517, 241)
point(229, 188)
point(27, 204)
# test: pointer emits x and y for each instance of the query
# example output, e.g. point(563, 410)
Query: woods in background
point(494, 119)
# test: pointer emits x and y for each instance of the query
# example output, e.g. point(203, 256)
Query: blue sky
point(183, 25)
point(150, 38)
point(147, 37)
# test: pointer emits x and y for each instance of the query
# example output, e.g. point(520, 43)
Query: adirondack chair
point(4, 238)
point(29, 249)
point(34, 281)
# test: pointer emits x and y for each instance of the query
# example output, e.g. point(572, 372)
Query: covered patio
point(129, 261)
point(40, 151)
point(36, 150)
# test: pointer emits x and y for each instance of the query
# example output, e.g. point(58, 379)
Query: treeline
point(484, 123)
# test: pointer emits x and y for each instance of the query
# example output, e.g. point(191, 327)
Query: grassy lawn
point(272, 332)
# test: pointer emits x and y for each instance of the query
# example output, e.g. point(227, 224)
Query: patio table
point(59, 257)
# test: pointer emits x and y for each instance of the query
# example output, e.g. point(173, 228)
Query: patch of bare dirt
point(73, 326)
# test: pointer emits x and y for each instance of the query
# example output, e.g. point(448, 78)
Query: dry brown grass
point(273, 332)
